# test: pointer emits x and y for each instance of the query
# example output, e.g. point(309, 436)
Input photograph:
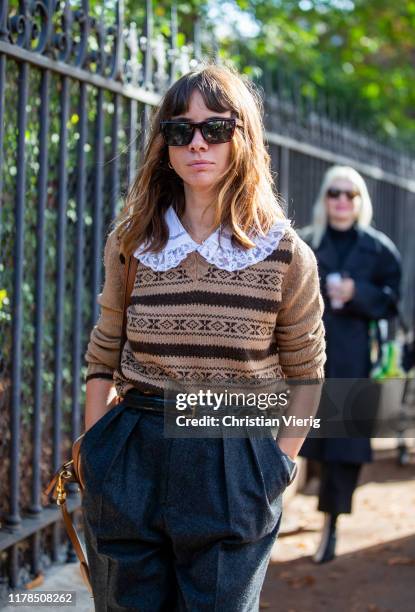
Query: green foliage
point(360, 54)
point(187, 13)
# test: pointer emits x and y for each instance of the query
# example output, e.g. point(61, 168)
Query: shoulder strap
point(129, 277)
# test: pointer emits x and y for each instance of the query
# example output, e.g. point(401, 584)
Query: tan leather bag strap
point(76, 543)
point(57, 487)
point(129, 278)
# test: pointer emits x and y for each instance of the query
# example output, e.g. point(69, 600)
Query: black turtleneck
point(343, 241)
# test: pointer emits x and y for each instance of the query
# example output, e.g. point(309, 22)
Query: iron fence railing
point(304, 146)
point(76, 91)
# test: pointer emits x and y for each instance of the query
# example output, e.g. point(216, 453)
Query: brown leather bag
point(71, 470)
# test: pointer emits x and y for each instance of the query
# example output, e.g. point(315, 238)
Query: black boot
point(327, 546)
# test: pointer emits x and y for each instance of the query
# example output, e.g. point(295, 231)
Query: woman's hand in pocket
point(100, 397)
point(290, 446)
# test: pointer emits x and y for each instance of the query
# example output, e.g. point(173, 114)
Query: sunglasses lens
point(215, 132)
point(336, 193)
point(177, 134)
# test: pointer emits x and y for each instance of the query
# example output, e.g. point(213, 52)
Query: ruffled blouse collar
point(217, 249)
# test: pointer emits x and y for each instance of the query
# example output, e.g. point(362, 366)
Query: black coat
point(374, 264)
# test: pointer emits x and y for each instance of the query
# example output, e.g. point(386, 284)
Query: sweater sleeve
point(103, 349)
point(300, 330)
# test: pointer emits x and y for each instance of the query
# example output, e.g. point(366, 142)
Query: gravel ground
point(375, 566)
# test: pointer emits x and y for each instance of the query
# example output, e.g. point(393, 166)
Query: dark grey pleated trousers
point(178, 524)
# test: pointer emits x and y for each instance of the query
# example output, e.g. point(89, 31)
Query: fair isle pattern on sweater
point(197, 322)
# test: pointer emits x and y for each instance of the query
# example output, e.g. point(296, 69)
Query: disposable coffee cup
point(334, 279)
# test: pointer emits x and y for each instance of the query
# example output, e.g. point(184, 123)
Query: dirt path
point(375, 567)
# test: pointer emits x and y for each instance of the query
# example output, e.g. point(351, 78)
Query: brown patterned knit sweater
point(197, 322)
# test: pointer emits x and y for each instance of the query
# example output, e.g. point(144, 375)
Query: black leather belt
point(156, 403)
point(145, 401)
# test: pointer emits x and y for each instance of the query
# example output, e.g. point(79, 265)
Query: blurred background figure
point(360, 273)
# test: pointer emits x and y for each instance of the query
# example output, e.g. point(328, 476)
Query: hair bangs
point(177, 100)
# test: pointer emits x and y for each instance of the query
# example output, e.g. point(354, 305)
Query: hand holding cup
point(340, 290)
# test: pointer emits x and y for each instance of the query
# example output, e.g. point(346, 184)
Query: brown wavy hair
point(246, 198)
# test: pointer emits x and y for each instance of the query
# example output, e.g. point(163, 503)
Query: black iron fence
point(304, 145)
point(76, 91)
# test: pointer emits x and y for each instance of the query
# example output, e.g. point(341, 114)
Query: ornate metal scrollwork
point(96, 39)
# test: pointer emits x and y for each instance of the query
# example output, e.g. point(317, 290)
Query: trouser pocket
point(256, 477)
point(99, 453)
point(92, 437)
point(274, 465)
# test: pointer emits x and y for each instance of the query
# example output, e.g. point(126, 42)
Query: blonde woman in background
point(360, 273)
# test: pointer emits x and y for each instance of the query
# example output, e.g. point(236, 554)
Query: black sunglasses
point(336, 193)
point(214, 131)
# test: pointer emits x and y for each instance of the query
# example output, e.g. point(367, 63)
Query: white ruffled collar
point(217, 249)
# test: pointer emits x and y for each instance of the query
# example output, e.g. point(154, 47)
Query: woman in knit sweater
point(225, 290)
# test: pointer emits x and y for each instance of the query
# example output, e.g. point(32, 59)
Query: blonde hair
point(246, 199)
point(364, 218)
